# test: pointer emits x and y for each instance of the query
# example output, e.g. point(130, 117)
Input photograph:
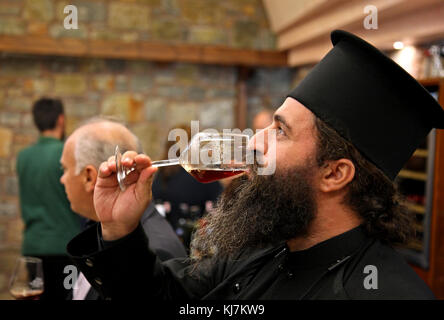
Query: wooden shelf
point(417, 208)
point(415, 175)
point(419, 227)
point(415, 245)
point(421, 153)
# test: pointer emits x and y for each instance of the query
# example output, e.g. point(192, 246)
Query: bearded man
point(313, 228)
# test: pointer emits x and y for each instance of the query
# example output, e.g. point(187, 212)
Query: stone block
point(103, 83)
point(217, 114)
point(27, 121)
point(126, 15)
point(155, 110)
point(19, 104)
point(12, 26)
point(20, 67)
point(150, 139)
point(70, 84)
point(245, 33)
point(217, 93)
point(121, 83)
point(140, 67)
point(168, 31)
point(186, 73)
point(8, 209)
point(217, 75)
point(10, 8)
point(182, 113)
point(116, 65)
point(164, 75)
point(11, 186)
point(207, 35)
point(2, 99)
point(196, 93)
point(141, 83)
point(5, 166)
point(37, 86)
point(173, 92)
point(58, 31)
point(10, 119)
point(209, 12)
point(64, 65)
point(71, 124)
point(38, 10)
point(14, 233)
point(124, 106)
point(80, 108)
point(5, 142)
point(88, 11)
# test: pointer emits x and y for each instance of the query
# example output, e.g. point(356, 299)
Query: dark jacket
point(162, 240)
point(333, 269)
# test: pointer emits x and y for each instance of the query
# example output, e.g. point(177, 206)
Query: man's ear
point(336, 175)
point(61, 121)
point(90, 178)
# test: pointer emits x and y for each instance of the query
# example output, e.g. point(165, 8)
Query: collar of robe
point(328, 253)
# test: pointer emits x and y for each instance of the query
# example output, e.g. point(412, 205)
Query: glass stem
point(164, 163)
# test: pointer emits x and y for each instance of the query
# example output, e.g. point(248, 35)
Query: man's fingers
point(144, 182)
point(128, 158)
point(104, 170)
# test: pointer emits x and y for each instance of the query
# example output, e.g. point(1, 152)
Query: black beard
point(256, 213)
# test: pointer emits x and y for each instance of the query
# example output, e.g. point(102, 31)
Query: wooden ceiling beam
point(284, 13)
point(337, 18)
point(412, 28)
point(43, 45)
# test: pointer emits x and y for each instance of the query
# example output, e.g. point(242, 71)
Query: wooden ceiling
point(303, 26)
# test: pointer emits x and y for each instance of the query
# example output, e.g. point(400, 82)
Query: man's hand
point(120, 211)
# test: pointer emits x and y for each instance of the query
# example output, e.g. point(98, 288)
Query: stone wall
point(234, 23)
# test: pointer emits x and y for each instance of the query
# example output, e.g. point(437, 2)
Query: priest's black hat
point(370, 101)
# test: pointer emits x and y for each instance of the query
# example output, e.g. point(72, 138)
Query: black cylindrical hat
point(370, 101)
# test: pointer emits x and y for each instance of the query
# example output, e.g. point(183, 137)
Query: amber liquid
point(206, 176)
point(27, 295)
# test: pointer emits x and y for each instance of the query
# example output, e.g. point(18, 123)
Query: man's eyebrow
point(281, 119)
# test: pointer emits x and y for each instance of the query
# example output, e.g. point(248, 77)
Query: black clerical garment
point(337, 268)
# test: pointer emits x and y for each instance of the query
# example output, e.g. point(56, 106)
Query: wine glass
point(27, 279)
point(208, 157)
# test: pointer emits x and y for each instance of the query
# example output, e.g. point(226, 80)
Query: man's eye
point(280, 131)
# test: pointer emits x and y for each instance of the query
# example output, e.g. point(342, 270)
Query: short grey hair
point(92, 149)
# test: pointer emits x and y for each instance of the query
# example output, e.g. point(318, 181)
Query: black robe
point(334, 269)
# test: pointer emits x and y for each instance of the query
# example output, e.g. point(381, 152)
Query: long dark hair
point(371, 193)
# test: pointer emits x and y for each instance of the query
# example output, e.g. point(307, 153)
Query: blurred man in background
point(88, 146)
point(49, 222)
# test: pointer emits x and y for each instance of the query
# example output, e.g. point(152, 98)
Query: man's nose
point(259, 141)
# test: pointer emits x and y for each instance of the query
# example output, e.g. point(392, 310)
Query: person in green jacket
point(48, 219)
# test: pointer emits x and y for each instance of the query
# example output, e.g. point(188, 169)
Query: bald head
point(263, 119)
point(90, 145)
point(96, 140)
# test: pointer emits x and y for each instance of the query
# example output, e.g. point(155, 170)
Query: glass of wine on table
point(27, 279)
point(208, 157)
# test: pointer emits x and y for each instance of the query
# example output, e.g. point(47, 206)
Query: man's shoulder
point(382, 273)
